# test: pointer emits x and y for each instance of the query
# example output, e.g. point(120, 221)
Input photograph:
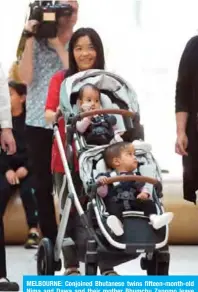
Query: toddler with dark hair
point(126, 196)
point(100, 129)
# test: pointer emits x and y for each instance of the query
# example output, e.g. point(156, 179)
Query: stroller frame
point(53, 254)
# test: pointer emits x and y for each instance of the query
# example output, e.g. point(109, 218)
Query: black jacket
point(187, 101)
point(20, 158)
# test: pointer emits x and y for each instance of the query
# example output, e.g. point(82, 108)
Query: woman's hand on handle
point(53, 116)
point(181, 144)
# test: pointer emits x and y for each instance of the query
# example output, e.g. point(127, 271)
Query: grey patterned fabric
point(46, 64)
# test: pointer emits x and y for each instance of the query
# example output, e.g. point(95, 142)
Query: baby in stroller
point(98, 129)
point(94, 242)
point(126, 196)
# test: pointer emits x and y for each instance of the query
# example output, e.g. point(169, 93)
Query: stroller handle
point(122, 112)
point(126, 178)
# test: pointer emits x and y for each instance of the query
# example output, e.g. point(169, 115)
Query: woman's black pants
point(39, 142)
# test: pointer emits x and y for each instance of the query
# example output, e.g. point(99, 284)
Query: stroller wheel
point(58, 265)
point(91, 269)
point(163, 263)
point(45, 258)
point(91, 258)
point(144, 263)
point(158, 265)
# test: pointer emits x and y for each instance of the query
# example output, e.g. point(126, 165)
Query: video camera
point(48, 14)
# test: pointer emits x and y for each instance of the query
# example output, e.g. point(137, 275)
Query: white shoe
point(159, 221)
point(115, 225)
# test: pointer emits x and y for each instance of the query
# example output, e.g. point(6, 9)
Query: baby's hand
point(103, 180)
point(143, 196)
point(86, 107)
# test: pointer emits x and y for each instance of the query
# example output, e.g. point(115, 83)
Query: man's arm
point(184, 85)
point(5, 112)
point(7, 139)
point(181, 122)
point(184, 93)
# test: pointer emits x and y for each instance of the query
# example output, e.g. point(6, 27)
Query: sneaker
point(32, 241)
point(6, 285)
point(115, 225)
point(158, 221)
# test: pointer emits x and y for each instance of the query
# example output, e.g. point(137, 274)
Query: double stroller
point(139, 237)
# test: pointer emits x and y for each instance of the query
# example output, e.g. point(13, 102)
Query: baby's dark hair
point(94, 87)
point(20, 88)
point(114, 150)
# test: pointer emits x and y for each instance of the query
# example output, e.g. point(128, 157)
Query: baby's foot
point(115, 225)
point(158, 221)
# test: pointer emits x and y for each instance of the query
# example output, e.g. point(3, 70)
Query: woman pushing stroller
point(85, 52)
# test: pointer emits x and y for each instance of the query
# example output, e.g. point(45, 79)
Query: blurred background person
point(42, 58)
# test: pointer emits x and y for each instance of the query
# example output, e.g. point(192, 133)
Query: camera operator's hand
point(30, 25)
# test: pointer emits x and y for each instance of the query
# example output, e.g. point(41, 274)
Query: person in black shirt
point(15, 170)
point(186, 111)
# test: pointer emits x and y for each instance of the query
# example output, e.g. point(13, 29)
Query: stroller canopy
point(105, 81)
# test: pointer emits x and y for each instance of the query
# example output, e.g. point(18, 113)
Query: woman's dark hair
point(20, 88)
point(97, 44)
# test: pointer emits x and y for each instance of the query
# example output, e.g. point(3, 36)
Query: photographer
point(40, 60)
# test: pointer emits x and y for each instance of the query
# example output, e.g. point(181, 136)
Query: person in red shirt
point(85, 52)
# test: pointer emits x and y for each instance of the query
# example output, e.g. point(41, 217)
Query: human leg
point(5, 193)
point(2, 251)
point(114, 220)
point(39, 147)
point(149, 209)
point(29, 202)
point(30, 205)
point(70, 253)
point(5, 285)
